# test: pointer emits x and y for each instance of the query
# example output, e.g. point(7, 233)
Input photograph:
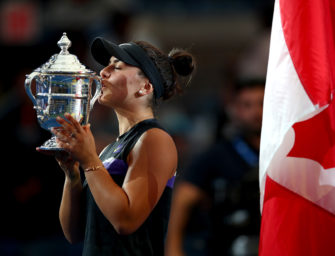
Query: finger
point(87, 128)
point(64, 145)
point(66, 124)
point(64, 158)
point(74, 122)
point(67, 131)
point(45, 152)
point(61, 134)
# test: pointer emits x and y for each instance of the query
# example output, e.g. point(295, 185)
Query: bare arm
point(70, 211)
point(70, 215)
point(185, 197)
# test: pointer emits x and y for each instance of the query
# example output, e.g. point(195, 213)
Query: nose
point(104, 73)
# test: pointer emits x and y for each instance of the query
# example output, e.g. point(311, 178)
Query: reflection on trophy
point(63, 85)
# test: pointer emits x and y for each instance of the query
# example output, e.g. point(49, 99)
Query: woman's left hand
point(77, 140)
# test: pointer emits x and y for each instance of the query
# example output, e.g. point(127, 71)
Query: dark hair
point(248, 83)
point(174, 68)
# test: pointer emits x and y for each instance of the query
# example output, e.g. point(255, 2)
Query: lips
point(103, 84)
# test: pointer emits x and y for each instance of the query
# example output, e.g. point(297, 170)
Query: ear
point(147, 88)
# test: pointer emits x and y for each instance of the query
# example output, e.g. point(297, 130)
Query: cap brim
point(102, 50)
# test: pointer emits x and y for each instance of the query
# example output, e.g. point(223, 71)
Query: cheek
point(133, 85)
point(117, 90)
point(116, 83)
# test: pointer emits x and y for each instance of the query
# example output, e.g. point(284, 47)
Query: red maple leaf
point(315, 138)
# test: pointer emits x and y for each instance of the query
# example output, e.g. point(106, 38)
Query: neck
point(128, 119)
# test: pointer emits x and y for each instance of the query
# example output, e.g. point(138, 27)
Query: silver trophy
point(62, 85)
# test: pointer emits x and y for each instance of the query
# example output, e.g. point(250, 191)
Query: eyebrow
point(113, 62)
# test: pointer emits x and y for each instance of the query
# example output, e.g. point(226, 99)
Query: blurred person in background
point(215, 206)
point(123, 205)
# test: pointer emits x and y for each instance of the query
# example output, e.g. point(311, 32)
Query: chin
point(100, 100)
point(104, 102)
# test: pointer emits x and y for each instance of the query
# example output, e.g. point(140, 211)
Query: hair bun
point(182, 61)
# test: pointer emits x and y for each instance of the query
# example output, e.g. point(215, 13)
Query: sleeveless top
point(100, 236)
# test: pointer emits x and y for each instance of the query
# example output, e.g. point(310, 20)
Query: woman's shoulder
point(157, 149)
point(157, 137)
point(156, 143)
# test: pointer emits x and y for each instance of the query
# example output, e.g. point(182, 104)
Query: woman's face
point(120, 83)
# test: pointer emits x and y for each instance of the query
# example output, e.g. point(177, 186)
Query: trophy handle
point(97, 80)
point(27, 85)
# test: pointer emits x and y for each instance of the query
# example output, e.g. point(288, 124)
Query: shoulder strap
point(129, 139)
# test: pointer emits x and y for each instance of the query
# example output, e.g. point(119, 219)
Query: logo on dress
point(118, 149)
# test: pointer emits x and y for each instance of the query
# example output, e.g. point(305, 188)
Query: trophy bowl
point(62, 85)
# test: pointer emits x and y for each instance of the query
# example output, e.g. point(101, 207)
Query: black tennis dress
point(100, 236)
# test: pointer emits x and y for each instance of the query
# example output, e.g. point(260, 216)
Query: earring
point(140, 92)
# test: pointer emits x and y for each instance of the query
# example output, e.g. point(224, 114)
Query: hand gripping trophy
point(63, 85)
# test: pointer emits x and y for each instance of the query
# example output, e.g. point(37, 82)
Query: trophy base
point(51, 145)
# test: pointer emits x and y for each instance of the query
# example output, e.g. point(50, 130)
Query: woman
point(122, 208)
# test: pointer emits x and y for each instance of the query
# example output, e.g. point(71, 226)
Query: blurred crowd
point(215, 123)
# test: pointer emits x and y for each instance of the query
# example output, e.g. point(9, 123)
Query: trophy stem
point(51, 144)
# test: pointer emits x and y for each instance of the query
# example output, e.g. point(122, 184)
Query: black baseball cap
point(131, 54)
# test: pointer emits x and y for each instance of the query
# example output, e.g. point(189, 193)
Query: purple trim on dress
point(119, 167)
point(115, 166)
point(170, 182)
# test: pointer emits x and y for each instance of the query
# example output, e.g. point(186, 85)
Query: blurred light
point(19, 23)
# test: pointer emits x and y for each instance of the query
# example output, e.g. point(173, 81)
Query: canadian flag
point(297, 156)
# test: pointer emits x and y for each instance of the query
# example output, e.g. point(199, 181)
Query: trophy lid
point(64, 62)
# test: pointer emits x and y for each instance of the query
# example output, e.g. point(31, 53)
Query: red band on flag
point(308, 27)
